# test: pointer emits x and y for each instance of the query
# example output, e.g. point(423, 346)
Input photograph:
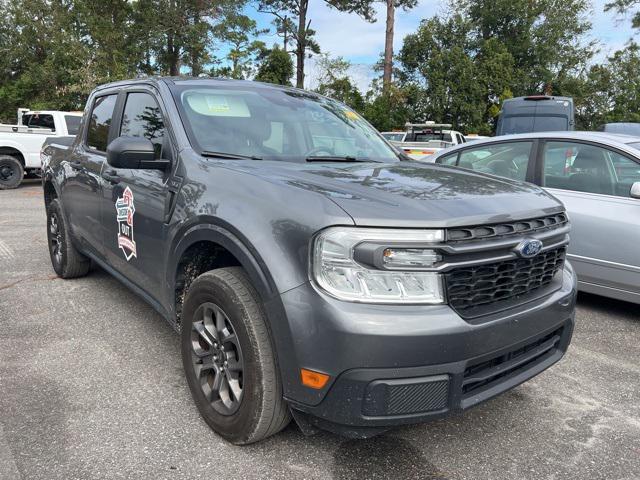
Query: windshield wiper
point(338, 158)
point(229, 156)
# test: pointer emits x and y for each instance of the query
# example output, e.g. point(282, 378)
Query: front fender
point(223, 236)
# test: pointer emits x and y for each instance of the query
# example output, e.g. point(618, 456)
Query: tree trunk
point(285, 32)
point(388, 46)
point(172, 57)
point(301, 46)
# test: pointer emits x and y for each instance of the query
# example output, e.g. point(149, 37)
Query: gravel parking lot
point(91, 386)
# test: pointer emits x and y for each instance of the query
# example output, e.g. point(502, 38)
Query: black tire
point(260, 410)
point(65, 259)
point(11, 172)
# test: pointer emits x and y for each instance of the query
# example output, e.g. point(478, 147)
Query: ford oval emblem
point(529, 247)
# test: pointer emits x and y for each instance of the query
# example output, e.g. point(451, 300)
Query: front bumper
point(394, 365)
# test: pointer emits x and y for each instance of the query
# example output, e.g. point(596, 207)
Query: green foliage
point(387, 110)
point(276, 67)
point(622, 7)
point(292, 23)
point(239, 32)
point(334, 82)
point(462, 67)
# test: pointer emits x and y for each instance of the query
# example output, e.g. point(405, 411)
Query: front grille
point(475, 286)
point(484, 232)
point(489, 372)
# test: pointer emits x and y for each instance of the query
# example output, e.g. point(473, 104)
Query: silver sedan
point(597, 176)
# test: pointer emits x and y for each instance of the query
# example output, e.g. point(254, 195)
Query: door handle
point(76, 165)
point(111, 176)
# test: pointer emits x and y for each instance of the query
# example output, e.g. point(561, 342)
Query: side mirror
point(635, 190)
point(134, 152)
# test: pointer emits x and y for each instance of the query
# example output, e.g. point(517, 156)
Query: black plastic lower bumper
point(364, 402)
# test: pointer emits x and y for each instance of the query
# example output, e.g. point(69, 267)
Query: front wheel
point(229, 360)
point(65, 258)
point(11, 172)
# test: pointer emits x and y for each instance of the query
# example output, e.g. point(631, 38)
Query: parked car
point(622, 128)
point(423, 139)
point(597, 177)
point(536, 113)
point(328, 280)
point(20, 144)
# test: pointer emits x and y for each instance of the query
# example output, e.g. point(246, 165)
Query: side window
point(503, 159)
point(100, 122)
point(450, 159)
point(142, 118)
point(73, 123)
point(588, 168)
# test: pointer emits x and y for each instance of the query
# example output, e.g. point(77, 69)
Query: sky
point(360, 42)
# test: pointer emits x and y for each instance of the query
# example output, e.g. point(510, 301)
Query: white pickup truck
point(420, 140)
point(20, 144)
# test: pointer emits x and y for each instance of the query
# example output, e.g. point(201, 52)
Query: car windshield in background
point(275, 124)
point(394, 137)
point(526, 124)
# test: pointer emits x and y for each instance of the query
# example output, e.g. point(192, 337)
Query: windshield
point(275, 124)
point(524, 124)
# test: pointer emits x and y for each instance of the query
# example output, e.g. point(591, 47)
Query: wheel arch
point(11, 150)
point(212, 245)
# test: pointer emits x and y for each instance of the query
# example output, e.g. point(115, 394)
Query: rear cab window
point(37, 120)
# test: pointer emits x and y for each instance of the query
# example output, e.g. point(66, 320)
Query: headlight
point(375, 265)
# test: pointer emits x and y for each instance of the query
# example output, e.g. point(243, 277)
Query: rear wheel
point(65, 259)
point(228, 358)
point(11, 172)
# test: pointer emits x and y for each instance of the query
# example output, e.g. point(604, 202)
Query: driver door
point(136, 202)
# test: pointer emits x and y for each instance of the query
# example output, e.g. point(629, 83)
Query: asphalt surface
point(91, 386)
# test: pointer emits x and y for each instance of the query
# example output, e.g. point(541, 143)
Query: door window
point(142, 118)
point(509, 160)
point(450, 159)
point(588, 168)
point(100, 122)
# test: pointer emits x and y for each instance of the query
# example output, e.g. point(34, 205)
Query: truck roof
point(51, 112)
point(155, 80)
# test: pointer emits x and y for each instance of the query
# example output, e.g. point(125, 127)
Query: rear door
point(594, 183)
point(136, 203)
point(82, 192)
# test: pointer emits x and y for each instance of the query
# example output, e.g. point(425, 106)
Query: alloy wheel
point(55, 238)
point(217, 358)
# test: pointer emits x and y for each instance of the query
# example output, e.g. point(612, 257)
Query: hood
point(411, 194)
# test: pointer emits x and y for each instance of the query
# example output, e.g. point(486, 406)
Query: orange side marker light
point(311, 379)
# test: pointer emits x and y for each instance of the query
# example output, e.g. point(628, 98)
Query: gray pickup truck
point(312, 271)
